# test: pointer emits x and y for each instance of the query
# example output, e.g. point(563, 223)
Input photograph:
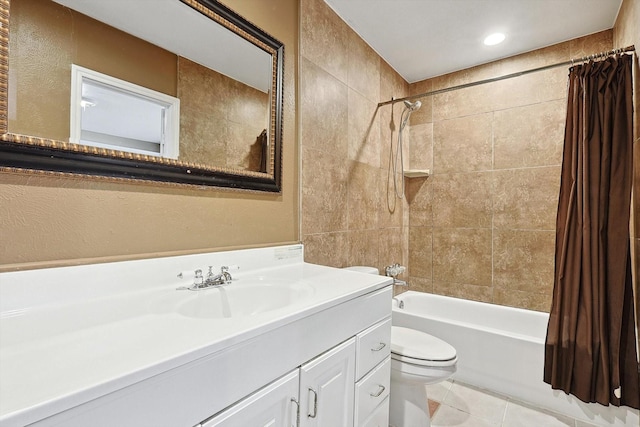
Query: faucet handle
point(198, 279)
point(210, 273)
point(196, 276)
point(394, 270)
point(224, 271)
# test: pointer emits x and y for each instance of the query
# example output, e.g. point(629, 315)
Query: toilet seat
point(419, 348)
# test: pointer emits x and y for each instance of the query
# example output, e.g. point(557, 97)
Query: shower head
point(412, 106)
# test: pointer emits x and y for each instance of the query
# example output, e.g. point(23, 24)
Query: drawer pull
point(297, 411)
point(379, 347)
point(315, 404)
point(381, 390)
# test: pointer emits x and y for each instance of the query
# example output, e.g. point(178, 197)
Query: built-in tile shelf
point(417, 173)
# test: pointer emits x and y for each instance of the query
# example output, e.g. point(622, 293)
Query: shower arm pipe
point(512, 75)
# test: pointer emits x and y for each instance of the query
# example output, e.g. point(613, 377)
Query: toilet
point(417, 359)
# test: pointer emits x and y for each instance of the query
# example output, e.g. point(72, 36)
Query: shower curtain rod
point(509, 76)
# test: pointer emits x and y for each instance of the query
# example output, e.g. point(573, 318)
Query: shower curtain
point(590, 349)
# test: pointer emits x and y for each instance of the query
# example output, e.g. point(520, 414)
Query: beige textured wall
point(483, 226)
point(45, 39)
point(626, 32)
point(54, 220)
point(349, 215)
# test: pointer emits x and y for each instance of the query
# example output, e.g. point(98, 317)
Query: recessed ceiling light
point(494, 38)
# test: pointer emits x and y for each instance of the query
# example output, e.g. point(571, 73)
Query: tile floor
point(458, 405)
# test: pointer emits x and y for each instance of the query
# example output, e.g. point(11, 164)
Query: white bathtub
point(500, 349)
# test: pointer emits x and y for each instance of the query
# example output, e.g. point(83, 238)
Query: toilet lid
point(363, 269)
point(410, 343)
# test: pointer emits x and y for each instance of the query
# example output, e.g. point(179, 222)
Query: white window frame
point(170, 144)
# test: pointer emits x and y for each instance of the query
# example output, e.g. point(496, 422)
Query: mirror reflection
point(223, 82)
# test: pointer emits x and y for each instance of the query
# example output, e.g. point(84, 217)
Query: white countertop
point(57, 354)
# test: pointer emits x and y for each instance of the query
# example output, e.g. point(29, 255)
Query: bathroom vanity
point(286, 343)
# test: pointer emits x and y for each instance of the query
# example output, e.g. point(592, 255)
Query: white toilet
point(417, 359)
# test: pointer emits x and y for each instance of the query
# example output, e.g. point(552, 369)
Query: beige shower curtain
point(591, 340)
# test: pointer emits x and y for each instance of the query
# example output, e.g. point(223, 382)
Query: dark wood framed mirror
point(34, 121)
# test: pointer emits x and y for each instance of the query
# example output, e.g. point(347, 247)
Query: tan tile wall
point(482, 226)
point(349, 213)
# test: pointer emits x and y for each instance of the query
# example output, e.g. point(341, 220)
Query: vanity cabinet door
point(273, 406)
point(327, 388)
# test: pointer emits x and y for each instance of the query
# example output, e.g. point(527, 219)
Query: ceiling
point(421, 39)
point(224, 51)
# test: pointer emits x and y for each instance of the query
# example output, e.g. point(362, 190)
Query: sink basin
point(234, 300)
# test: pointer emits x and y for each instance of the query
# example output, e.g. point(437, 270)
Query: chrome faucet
point(399, 301)
point(212, 280)
point(393, 271)
point(222, 278)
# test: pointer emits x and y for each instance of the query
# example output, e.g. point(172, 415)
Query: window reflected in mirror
point(111, 113)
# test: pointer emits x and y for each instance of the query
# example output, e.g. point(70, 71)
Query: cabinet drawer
point(372, 390)
point(380, 416)
point(373, 346)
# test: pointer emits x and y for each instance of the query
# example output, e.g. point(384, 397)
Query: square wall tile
point(462, 200)
point(363, 247)
point(392, 85)
point(482, 293)
point(538, 58)
point(323, 113)
point(420, 252)
point(363, 68)
point(419, 284)
point(463, 144)
point(522, 299)
point(392, 245)
point(330, 249)
point(364, 130)
point(526, 198)
point(425, 113)
point(324, 192)
point(363, 199)
point(524, 260)
point(324, 38)
point(419, 195)
point(390, 208)
point(468, 75)
point(462, 255)
point(421, 144)
point(527, 136)
point(591, 44)
point(528, 89)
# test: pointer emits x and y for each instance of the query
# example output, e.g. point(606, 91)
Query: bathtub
point(500, 349)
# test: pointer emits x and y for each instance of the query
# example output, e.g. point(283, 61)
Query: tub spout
point(397, 282)
point(399, 302)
